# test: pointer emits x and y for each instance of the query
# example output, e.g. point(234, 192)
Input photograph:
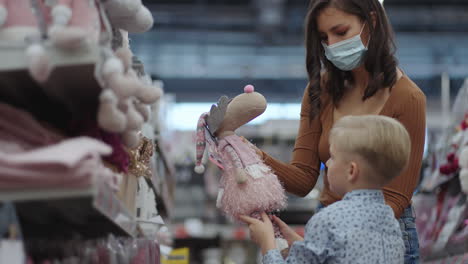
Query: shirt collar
point(367, 195)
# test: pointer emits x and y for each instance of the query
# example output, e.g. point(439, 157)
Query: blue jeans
point(410, 234)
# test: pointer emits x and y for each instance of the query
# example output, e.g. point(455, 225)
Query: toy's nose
point(249, 89)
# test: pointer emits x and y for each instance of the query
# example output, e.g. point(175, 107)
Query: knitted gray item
point(117, 39)
point(138, 67)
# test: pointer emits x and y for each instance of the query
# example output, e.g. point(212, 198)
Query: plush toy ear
point(144, 20)
point(110, 118)
point(148, 92)
point(124, 85)
point(134, 21)
point(134, 118)
point(144, 110)
point(122, 8)
point(217, 113)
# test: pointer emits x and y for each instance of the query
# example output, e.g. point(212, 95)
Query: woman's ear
point(373, 16)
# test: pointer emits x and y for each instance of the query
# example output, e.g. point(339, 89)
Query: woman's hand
point(288, 233)
point(261, 232)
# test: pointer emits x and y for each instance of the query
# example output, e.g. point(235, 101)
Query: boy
point(366, 153)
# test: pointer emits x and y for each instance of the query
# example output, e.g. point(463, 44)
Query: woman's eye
point(342, 33)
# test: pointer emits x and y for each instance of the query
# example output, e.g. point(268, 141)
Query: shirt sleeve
point(301, 174)
point(316, 247)
point(412, 115)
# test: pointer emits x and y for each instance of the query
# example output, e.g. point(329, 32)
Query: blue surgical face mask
point(346, 55)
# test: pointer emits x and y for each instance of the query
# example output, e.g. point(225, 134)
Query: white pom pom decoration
point(61, 15)
point(113, 65)
point(200, 169)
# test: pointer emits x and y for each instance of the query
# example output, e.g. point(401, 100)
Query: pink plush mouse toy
point(248, 186)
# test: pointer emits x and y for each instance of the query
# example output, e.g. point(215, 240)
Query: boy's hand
point(288, 233)
point(261, 232)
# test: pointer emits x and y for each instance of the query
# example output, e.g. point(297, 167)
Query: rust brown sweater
point(406, 103)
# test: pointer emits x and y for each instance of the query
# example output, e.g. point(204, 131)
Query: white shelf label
point(11, 252)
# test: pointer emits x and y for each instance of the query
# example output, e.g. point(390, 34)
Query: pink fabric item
point(119, 156)
point(20, 22)
point(85, 16)
point(19, 131)
point(72, 163)
point(12, 178)
point(68, 153)
point(19, 13)
point(260, 193)
point(245, 152)
point(32, 156)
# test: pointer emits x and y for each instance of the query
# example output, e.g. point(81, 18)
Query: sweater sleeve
point(412, 114)
point(300, 175)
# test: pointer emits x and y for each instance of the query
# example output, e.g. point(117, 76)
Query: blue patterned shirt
point(361, 228)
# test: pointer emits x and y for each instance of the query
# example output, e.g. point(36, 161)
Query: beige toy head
point(225, 117)
point(238, 112)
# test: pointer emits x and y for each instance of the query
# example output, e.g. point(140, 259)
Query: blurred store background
point(203, 49)
point(131, 194)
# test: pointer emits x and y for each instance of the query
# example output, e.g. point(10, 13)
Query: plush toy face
point(241, 110)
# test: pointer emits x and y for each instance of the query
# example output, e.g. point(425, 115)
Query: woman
point(352, 71)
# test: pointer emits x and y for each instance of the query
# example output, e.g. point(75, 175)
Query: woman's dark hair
point(379, 60)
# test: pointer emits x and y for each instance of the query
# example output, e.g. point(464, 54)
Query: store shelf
point(170, 167)
point(14, 56)
point(71, 90)
point(89, 212)
point(164, 202)
point(163, 181)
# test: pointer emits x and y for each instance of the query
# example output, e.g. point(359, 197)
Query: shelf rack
point(90, 212)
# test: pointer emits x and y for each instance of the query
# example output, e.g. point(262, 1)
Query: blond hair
point(381, 141)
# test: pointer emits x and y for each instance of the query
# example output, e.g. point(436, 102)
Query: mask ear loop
point(368, 39)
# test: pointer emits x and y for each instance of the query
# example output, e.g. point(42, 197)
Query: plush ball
point(112, 65)
point(200, 169)
point(61, 15)
point(249, 89)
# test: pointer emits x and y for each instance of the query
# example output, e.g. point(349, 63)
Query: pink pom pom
point(249, 89)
